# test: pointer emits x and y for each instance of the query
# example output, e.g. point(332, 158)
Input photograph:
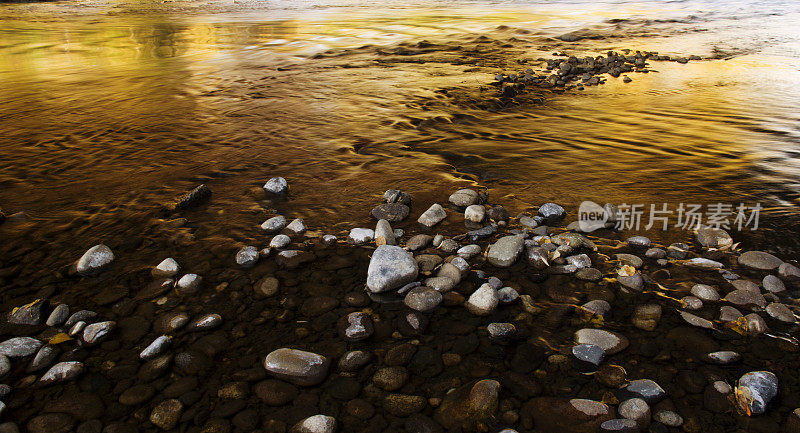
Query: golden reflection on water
point(169, 96)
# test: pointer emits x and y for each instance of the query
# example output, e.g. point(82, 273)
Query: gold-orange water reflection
point(107, 107)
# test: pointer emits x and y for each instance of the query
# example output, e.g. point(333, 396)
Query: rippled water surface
point(109, 109)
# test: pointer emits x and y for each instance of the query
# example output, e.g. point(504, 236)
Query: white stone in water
point(77, 328)
point(316, 424)
point(635, 409)
point(469, 251)
point(280, 241)
point(609, 341)
point(483, 301)
point(460, 263)
point(177, 321)
point(329, 240)
point(168, 268)
point(505, 251)
point(97, 332)
point(507, 295)
point(189, 283)
point(206, 322)
point(580, 261)
point(360, 236)
point(19, 347)
point(297, 226)
point(703, 263)
point(94, 260)
point(62, 372)
point(157, 347)
point(434, 215)
point(384, 235)
point(756, 389)
point(277, 186)
point(58, 316)
point(274, 224)
point(390, 267)
point(247, 257)
point(297, 366)
point(722, 357)
point(475, 213)
point(464, 197)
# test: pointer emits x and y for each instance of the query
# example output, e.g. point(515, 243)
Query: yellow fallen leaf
point(59, 338)
point(626, 271)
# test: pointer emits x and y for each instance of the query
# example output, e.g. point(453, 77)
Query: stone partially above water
point(360, 236)
point(759, 260)
point(434, 215)
point(483, 301)
point(195, 197)
point(552, 213)
point(390, 267)
point(274, 224)
point(297, 366)
point(756, 389)
point(609, 341)
point(168, 268)
point(710, 237)
point(505, 251)
point(94, 260)
point(277, 186)
point(464, 197)
point(247, 257)
point(392, 212)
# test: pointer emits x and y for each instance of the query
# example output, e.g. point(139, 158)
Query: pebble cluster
point(433, 333)
point(577, 72)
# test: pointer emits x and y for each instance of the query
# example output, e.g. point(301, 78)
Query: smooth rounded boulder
point(505, 251)
point(297, 366)
point(390, 267)
point(94, 260)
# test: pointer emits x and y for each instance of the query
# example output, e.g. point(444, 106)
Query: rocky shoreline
point(515, 324)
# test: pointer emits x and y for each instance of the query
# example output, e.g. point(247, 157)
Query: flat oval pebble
point(705, 292)
point(696, 320)
point(781, 313)
point(19, 346)
point(297, 366)
point(274, 224)
point(95, 260)
point(723, 357)
point(759, 260)
point(746, 298)
point(609, 341)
